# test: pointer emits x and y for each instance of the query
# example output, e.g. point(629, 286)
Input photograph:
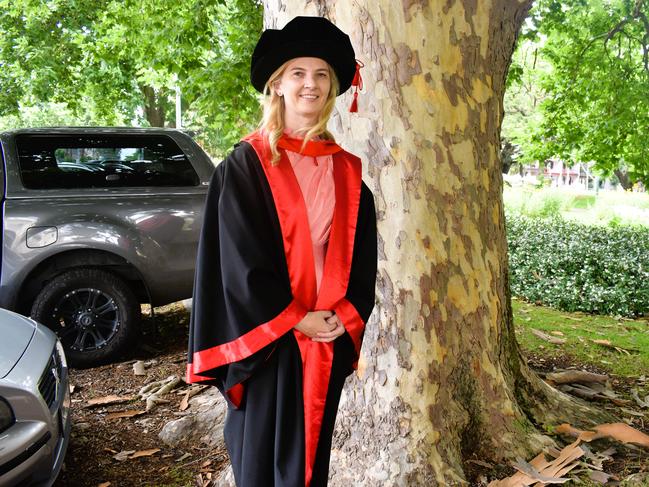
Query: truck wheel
point(94, 313)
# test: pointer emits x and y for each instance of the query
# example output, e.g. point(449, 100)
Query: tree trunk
point(153, 107)
point(441, 378)
point(623, 178)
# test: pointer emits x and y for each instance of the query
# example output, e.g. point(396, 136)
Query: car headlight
point(6, 415)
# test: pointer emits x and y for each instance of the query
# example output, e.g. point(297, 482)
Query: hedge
point(577, 267)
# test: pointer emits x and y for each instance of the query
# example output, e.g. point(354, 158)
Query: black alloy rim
point(86, 319)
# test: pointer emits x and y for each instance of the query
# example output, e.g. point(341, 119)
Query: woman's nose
point(309, 81)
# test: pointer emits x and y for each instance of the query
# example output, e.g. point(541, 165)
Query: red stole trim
point(247, 344)
point(316, 357)
point(311, 148)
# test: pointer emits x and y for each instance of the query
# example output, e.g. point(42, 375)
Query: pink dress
point(316, 179)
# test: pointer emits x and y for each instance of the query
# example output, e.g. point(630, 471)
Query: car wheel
point(94, 313)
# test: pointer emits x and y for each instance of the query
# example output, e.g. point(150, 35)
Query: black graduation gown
point(255, 280)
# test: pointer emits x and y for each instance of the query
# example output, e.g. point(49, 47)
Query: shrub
point(576, 267)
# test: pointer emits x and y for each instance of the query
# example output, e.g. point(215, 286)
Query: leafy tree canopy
point(118, 62)
point(591, 82)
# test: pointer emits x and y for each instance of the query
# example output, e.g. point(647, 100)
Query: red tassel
point(354, 106)
point(357, 83)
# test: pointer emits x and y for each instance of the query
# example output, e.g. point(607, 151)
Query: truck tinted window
point(102, 161)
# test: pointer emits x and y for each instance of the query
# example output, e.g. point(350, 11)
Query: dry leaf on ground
point(106, 400)
point(618, 431)
point(541, 472)
point(123, 455)
point(144, 453)
point(104, 484)
point(548, 338)
point(131, 454)
point(184, 404)
point(599, 477)
point(608, 344)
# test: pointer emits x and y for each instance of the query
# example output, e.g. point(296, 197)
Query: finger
point(335, 317)
point(336, 332)
point(329, 334)
point(326, 314)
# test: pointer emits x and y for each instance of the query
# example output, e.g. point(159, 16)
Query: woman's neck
point(295, 123)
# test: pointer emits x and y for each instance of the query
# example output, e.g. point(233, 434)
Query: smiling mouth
point(309, 97)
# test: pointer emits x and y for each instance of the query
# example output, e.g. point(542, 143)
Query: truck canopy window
point(102, 161)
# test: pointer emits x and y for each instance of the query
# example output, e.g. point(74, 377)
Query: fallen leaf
point(618, 431)
point(206, 463)
point(557, 333)
point(145, 453)
point(540, 472)
point(608, 344)
point(131, 454)
point(124, 414)
point(184, 404)
point(548, 338)
point(112, 399)
point(599, 477)
point(624, 433)
point(123, 455)
point(104, 484)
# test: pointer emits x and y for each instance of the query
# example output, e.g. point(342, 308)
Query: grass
point(603, 208)
point(579, 330)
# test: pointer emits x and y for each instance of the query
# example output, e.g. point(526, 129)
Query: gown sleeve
point(356, 307)
point(242, 299)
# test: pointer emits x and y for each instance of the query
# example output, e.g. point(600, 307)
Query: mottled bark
point(441, 377)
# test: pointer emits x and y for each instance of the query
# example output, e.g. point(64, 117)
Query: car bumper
point(32, 450)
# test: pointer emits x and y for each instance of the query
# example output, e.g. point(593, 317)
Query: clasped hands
point(321, 326)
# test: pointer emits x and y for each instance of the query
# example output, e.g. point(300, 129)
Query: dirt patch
point(97, 437)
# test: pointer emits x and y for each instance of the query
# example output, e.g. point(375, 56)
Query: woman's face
point(305, 86)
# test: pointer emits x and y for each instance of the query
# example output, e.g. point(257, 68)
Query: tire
point(94, 313)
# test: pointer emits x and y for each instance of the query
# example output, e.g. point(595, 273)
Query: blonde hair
point(272, 121)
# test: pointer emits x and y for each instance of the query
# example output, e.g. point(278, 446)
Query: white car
point(34, 402)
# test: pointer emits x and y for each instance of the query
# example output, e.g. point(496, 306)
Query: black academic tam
point(255, 280)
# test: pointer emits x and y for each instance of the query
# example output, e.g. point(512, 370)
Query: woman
point(286, 265)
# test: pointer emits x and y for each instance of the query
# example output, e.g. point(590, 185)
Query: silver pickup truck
point(96, 221)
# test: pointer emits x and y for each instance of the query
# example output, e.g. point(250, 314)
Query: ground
point(96, 438)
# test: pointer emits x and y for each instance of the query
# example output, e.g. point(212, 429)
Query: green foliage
point(592, 84)
point(576, 267)
point(114, 62)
